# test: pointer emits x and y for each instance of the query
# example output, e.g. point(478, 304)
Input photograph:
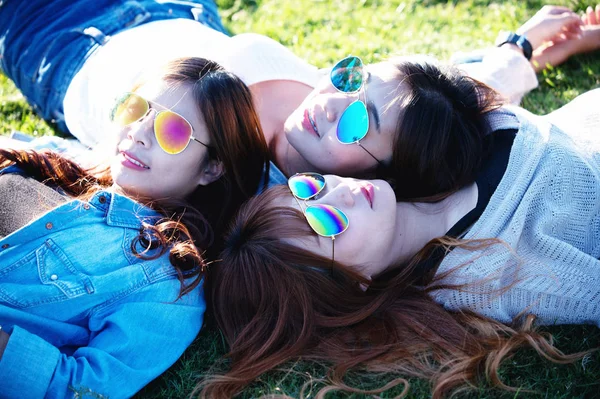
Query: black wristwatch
point(513, 38)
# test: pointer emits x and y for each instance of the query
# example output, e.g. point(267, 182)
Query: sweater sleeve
point(503, 69)
point(132, 342)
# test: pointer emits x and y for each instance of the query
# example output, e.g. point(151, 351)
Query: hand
point(551, 22)
point(562, 46)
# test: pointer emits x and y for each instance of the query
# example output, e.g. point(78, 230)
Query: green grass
point(324, 31)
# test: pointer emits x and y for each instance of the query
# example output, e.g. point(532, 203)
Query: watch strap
point(518, 40)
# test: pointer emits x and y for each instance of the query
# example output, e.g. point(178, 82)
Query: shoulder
point(257, 58)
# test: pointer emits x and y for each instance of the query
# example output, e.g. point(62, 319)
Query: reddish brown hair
point(236, 136)
point(276, 302)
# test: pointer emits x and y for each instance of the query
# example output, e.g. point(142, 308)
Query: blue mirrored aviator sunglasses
point(348, 76)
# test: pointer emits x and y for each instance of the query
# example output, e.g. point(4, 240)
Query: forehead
point(384, 89)
point(175, 97)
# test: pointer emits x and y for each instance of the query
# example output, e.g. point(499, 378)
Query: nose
point(336, 104)
point(340, 193)
point(141, 131)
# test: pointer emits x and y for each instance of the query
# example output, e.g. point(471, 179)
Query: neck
point(287, 159)
point(275, 101)
point(418, 222)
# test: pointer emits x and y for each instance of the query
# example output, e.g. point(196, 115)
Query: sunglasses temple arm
point(332, 253)
point(195, 139)
point(368, 152)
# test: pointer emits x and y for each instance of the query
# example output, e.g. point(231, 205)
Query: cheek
point(118, 133)
point(330, 157)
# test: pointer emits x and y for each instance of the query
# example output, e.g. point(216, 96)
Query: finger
point(591, 15)
point(573, 27)
point(556, 40)
point(570, 36)
point(554, 10)
point(597, 13)
point(567, 21)
point(568, 16)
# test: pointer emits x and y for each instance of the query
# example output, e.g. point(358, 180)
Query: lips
point(309, 124)
point(131, 161)
point(369, 192)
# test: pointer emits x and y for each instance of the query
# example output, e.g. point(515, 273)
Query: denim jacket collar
point(122, 211)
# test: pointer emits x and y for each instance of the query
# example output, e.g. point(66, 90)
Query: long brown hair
point(276, 302)
point(236, 136)
point(188, 227)
point(441, 134)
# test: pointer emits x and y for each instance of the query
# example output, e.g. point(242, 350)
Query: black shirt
point(487, 180)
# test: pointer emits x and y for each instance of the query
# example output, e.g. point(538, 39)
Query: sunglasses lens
point(306, 185)
point(353, 125)
point(128, 108)
point(172, 132)
point(347, 75)
point(326, 220)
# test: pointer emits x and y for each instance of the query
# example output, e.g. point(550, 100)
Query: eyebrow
point(372, 109)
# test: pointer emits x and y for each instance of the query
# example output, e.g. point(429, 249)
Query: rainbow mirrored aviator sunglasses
point(348, 76)
point(325, 220)
point(172, 131)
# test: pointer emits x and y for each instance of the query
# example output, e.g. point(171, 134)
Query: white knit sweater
point(547, 209)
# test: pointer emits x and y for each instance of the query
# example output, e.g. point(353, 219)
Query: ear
point(212, 171)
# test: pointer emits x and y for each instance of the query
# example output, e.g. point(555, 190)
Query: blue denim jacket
point(43, 44)
point(84, 314)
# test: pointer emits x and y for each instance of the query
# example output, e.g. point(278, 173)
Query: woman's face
point(370, 206)
point(311, 129)
point(141, 168)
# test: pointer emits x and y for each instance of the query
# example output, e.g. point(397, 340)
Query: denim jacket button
point(102, 199)
point(4, 246)
point(49, 225)
point(86, 206)
point(54, 277)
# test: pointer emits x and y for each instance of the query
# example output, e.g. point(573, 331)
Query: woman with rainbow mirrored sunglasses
point(337, 270)
point(102, 269)
point(86, 64)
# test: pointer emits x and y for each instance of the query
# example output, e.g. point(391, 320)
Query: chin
point(131, 190)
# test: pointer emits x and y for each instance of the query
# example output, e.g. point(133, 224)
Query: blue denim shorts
point(43, 44)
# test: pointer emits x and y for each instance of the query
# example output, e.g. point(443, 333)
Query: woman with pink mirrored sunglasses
point(102, 269)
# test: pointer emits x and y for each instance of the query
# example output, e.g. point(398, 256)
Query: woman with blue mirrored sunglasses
point(76, 90)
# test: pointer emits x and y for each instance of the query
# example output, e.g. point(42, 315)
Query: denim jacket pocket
point(45, 275)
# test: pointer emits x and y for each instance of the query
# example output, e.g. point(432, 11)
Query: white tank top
point(116, 67)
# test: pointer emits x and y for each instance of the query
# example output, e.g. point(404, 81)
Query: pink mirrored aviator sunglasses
point(172, 131)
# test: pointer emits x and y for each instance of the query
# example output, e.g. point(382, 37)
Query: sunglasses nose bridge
point(337, 105)
point(142, 130)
